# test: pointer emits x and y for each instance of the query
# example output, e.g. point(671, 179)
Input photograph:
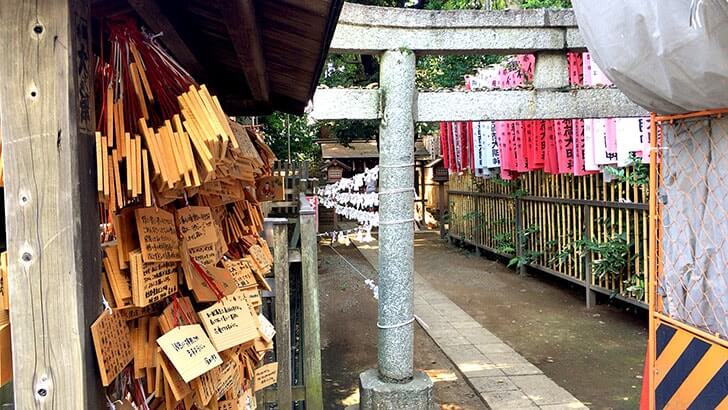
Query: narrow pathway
point(502, 377)
point(349, 337)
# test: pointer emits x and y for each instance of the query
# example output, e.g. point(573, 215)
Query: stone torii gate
point(398, 36)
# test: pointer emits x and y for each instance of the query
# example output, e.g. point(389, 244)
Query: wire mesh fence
point(691, 208)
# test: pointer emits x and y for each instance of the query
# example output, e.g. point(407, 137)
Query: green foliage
point(495, 4)
point(383, 3)
point(513, 184)
point(477, 220)
point(636, 286)
point(347, 70)
point(456, 4)
point(543, 4)
point(346, 131)
point(561, 256)
point(504, 243)
point(277, 127)
point(611, 257)
point(526, 258)
point(639, 174)
point(435, 72)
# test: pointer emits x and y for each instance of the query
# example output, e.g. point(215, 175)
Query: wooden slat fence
point(550, 222)
point(295, 295)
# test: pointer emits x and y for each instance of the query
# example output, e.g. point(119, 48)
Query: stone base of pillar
point(378, 395)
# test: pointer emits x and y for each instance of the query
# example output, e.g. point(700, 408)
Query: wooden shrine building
point(257, 56)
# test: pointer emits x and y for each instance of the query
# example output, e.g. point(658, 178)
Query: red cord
point(208, 279)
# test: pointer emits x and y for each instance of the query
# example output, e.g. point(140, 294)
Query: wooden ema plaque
point(190, 351)
point(196, 225)
point(241, 272)
point(257, 273)
point(206, 385)
point(6, 354)
point(269, 188)
point(207, 254)
point(157, 235)
point(119, 280)
point(4, 298)
point(230, 376)
point(260, 259)
point(151, 282)
point(219, 276)
point(266, 328)
point(247, 401)
point(139, 338)
point(266, 375)
point(112, 343)
point(133, 312)
point(252, 295)
point(127, 238)
point(179, 388)
point(229, 322)
point(179, 312)
point(229, 405)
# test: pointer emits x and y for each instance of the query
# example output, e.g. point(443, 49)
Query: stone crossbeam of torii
point(398, 36)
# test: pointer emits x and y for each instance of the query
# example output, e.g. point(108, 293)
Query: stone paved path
point(502, 377)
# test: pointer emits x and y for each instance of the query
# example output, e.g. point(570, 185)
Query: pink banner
point(454, 157)
point(564, 146)
point(519, 146)
point(551, 161)
point(576, 68)
point(464, 142)
point(444, 136)
point(539, 136)
point(579, 151)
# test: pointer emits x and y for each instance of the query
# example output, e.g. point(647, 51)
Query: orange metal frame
point(655, 259)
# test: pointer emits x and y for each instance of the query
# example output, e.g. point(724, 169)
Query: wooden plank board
point(53, 242)
point(311, 325)
point(283, 313)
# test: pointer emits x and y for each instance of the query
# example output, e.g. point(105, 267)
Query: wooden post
point(423, 194)
point(591, 296)
point(518, 203)
point(441, 206)
point(47, 111)
point(283, 311)
point(311, 327)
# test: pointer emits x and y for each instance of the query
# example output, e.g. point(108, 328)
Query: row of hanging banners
point(564, 146)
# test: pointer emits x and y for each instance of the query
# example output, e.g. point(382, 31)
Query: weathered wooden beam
point(47, 111)
point(242, 26)
point(283, 311)
point(311, 321)
point(155, 19)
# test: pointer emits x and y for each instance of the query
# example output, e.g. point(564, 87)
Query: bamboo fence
point(545, 220)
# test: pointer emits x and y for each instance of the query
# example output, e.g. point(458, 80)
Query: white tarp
point(694, 244)
point(660, 57)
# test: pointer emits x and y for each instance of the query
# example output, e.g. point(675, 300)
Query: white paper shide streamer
point(354, 198)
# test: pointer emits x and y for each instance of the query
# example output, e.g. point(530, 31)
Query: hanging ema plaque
point(190, 351)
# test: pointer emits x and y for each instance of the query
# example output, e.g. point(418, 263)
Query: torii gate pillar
point(395, 385)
